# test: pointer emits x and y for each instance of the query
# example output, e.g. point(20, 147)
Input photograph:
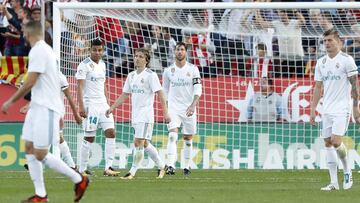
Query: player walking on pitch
point(93, 104)
point(182, 85)
point(337, 73)
point(41, 126)
point(142, 84)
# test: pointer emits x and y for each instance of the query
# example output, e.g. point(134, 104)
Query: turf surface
point(202, 186)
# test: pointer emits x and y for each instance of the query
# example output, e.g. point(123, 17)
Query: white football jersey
point(334, 73)
point(142, 88)
point(178, 85)
point(94, 76)
point(46, 91)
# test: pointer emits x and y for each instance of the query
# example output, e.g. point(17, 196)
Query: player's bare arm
point(106, 95)
point(191, 109)
point(161, 96)
point(117, 103)
point(315, 100)
point(80, 95)
point(77, 117)
point(355, 96)
point(28, 84)
point(25, 108)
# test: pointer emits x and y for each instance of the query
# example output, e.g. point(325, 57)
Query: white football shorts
point(143, 130)
point(96, 118)
point(41, 127)
point(334, 125)
point(188, 124)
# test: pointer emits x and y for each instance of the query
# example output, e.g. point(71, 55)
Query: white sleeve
point(81, 72)
point(63, 82)
point(351, 68)
point(166, 83)
point(155, 83)
point(318, 76)
point(127, 88)
point(197, 82)
point(36, 62)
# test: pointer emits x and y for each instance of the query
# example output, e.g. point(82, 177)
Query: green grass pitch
point(206, 186)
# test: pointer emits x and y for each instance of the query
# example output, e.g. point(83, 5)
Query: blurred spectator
point(313, 30)
point(201, 46)
point(110, 31)
point(156, 43)
point(231, 22)
point(135, 39)
point(261, 66)
point(170, 43)
point(289, 41)
point(14, 45)
point(352, 47)
point(260, 34)
point(266, 105)
point(17, 45)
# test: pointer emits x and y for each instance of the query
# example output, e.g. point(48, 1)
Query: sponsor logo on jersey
point(330, 76)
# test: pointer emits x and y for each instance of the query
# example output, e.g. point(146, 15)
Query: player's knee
point(89, 139)
point(139, 142)
point(187, 137)
point(173, 136)
point(29, 148)
point(328, 142)
point(110, 133)
point(146, 143)
point(336, 140)
point(40, 154)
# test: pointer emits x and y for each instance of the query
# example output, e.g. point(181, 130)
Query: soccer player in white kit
point(182, 85)
point(63, 148)
point(142, 84)
point(93, 105)
point(41, 126)
point(337, 73)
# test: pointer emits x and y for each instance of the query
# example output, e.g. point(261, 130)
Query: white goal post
point(234, 45)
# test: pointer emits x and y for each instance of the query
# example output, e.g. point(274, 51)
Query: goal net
point(257, 65)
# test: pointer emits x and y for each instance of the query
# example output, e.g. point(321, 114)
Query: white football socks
point(172, 149)
point(109, 152)
point(154, 155)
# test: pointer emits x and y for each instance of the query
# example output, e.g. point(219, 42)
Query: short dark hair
point(146, 52)
point(96, 42)
point(33, 27)
point(261, 46)
point(181, 44)
point(333, 32)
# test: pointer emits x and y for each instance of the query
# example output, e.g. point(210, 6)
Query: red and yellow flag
point(13, 69)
